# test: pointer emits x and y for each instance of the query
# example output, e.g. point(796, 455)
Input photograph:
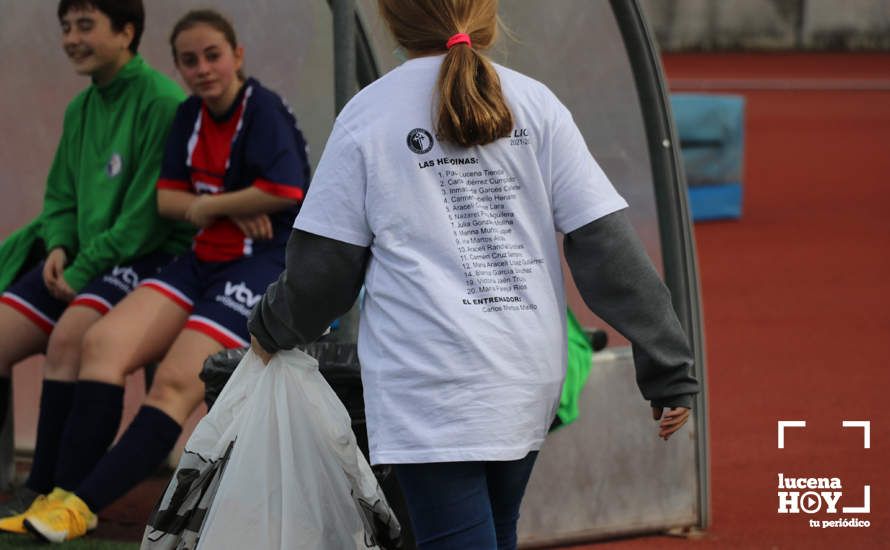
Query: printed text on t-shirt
point(494, 262)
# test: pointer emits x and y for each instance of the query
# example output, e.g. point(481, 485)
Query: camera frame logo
point(812, 495)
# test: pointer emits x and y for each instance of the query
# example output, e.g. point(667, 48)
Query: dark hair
point(120, 12)
point(472, 109)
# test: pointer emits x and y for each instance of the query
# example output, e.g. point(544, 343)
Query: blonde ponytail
point(471, 107)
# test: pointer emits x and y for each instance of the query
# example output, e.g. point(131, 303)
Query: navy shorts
point(219, 296)
point(29, 296)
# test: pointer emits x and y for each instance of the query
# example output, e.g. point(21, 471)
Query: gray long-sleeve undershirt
point(612, 271)
point(619, 283)
point(321, 281)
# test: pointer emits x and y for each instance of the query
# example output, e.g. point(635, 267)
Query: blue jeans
point(465, 505)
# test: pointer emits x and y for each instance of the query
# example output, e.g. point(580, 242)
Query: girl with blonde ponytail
point(471, 109)
point(440, 190)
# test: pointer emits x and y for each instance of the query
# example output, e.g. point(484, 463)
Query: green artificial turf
point(86, 543)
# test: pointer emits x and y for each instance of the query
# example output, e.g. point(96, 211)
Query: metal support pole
point(344, 51)
point(345, 85)
point(675, 227)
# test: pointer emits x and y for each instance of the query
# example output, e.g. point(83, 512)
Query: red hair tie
point(459, 38)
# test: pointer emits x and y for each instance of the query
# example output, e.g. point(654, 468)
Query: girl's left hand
point(259, 350)
point(673, 420)
point(255, 227)
point(199, 212)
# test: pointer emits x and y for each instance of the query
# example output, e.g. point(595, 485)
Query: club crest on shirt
point(114, 166)
point(420, 141)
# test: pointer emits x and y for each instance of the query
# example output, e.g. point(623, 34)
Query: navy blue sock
point(140, 451)
point(92, 424)
point(5, 390)
point(56, 400)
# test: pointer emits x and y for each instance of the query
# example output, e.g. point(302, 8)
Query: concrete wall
point(770, 24)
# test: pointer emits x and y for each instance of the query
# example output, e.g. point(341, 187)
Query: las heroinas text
point(448, 161)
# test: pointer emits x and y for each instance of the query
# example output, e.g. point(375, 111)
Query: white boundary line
point(781, 84)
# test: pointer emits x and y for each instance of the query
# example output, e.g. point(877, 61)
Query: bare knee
point(175, 393)
point(63, 353)
point(21, 338)
point(101, 355)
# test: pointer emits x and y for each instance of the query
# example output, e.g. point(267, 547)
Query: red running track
point(797, 299)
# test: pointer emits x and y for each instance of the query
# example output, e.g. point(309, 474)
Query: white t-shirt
point(462, 337)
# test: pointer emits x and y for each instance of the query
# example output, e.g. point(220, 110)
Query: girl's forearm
point(247, 202)
point(174, 204)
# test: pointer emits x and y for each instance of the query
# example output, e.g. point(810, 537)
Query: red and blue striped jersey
point(257, 143)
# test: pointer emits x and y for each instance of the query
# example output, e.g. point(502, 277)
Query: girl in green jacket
point(99, 233)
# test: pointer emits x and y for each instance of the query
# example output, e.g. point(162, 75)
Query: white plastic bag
point(294, 479)
point(177, 518)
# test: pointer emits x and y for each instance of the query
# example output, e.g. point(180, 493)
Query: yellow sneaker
point(16, 523)
point(65, 520)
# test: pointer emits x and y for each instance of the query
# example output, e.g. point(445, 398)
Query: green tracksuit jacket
point(100, 202)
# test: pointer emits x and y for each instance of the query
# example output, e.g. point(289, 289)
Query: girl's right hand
point(255, 227)
point(672, 420)
point(54, 267)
